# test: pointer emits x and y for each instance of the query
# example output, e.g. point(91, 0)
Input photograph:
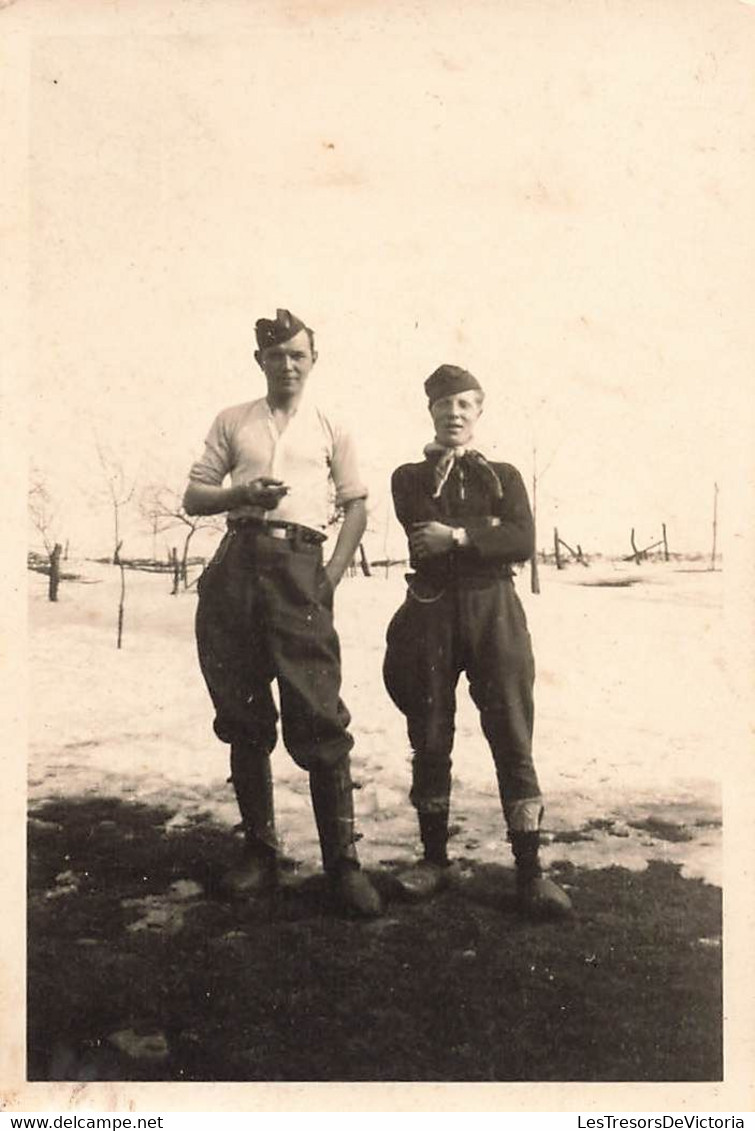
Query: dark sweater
point(468, 500)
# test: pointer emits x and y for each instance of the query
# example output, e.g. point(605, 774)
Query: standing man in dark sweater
point(468, 521)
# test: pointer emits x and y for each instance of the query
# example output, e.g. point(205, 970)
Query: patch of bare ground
point(140, 970)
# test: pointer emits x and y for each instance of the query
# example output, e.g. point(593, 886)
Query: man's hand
point(264, 492)
point(430, 538)
point(349, 537)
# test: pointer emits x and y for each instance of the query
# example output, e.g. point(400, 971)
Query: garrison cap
point(273, 331)
point(447, 380)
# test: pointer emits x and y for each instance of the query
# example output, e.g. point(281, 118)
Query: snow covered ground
point(631, 690)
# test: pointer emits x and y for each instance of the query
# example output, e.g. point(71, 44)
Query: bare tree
point(43, 517)
point(41, 509)
point(536, 477)
point(118, 491)
point(163, 508)
point(534, 572)
point(122, 598)
point(715, 526)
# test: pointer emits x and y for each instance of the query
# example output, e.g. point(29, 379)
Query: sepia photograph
point(383, 438)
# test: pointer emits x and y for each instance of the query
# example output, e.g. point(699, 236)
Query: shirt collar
point(270, 411)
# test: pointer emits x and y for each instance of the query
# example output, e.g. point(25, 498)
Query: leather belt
point(289, 531)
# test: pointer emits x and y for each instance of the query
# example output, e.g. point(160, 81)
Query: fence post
point(363, 559)
point(637, 554)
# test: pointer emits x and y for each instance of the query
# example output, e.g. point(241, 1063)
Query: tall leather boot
point(430, 874)
point(333, 803)
point(538, 896)
point(252, 780)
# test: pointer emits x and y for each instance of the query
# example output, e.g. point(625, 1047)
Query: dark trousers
point(266, 613)
point(479, 628)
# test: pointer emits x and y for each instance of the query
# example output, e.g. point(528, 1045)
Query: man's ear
point(314, 356)
point(258, 357)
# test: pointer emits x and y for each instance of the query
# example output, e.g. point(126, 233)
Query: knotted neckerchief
point(450, 457)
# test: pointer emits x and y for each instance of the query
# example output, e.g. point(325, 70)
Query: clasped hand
point(430, 538)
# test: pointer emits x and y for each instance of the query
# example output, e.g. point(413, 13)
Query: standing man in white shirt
point(266, 606)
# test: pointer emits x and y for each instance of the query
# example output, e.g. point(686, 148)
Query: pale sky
point(557, 196)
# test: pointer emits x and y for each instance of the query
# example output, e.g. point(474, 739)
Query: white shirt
point(313, 456)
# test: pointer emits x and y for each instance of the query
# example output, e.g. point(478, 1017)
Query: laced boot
point(538, 897)
point(333, 804)
point(430, 874)
point(256, 871)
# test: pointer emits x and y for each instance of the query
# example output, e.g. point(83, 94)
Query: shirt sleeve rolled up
point(216, 460)
point(344, 469)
